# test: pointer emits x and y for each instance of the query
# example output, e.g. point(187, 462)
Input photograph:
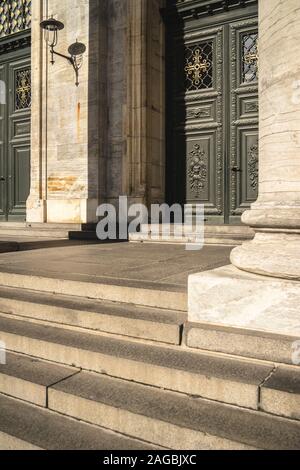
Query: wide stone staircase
point(91, 366)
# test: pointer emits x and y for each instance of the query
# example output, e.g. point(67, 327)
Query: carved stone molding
point(15, 43)
point(195, 9)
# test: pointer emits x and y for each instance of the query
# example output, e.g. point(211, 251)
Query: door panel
point(244, 117)
point(19, 183)
point(3, 140)
point(15, 137)
point(19, 137)
point(197, 133)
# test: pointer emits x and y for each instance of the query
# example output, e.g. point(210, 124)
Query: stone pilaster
point(36, 203)
point(144, 164)
point(275, 216)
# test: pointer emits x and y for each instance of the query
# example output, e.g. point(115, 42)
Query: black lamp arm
point(71, 60)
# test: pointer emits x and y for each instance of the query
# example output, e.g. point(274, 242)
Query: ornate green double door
point(212, 108)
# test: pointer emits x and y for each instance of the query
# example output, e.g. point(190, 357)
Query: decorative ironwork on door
point(15, 16)
point(199, 66)
point(250, 57)
point(23, 89)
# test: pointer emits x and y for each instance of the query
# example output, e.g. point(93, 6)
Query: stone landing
point(119, 263)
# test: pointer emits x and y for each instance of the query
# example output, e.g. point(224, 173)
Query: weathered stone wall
point(68, 139)
point(105, 138)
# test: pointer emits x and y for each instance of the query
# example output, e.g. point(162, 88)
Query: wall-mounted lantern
point(76, 50)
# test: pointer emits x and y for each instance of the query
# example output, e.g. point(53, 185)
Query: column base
point(72, 211)
point(271, 253)
point(233, 298)
point(62, 211)
point(36, 210)
point(275, 249)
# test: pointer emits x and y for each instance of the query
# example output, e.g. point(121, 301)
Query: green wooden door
point(15, 81)
point(212, 111)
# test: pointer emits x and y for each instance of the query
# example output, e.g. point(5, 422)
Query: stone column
point(260, 291)
point(275, 216)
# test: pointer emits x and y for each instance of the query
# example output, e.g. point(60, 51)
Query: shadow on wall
point(107, 89)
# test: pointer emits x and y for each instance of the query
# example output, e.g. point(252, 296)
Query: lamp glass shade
point(52, 25)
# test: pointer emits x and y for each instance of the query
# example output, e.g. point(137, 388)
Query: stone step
point(162, 417)
point(213, 376)
point(213, 234)
point(221, 229)
point(144, 293)
point(241, 342)
point(59, 226)
point(280, 394)
point(28, 379)
point(46, 226)
point(231, 242)
point(38, 233)
point(27, 427)
point(169, 419)
point(49, 231)
point(83, 235)
point(30, 243)
point(121, 319)
point(212, 239)
point(7, 246)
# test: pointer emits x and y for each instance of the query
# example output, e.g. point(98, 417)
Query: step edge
point(233, 438)
point(57, 301)
point(69, 419)
point(129, 414)
point(234, 362)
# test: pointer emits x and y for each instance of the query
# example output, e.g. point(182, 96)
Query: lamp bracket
point(76, 50)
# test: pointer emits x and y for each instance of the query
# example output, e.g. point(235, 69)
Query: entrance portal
point(212, 107)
